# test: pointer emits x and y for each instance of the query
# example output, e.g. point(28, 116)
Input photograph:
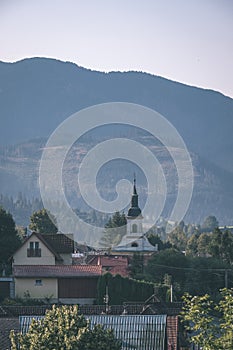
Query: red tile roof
point(64, 271)
point(113, 264)
point(111, 260)
point(119, 270)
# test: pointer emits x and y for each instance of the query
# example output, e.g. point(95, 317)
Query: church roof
point(134, 211)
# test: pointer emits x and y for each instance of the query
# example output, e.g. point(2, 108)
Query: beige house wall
point(20, 257)
point(48, 288)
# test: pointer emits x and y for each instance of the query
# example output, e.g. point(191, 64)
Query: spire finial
point(134, 184)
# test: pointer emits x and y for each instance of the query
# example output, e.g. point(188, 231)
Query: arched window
point(134, 244)
point(134, 228)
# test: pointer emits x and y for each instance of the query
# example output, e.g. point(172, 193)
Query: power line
point(194, 269)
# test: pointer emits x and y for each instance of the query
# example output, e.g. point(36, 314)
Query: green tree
point(192, 245)
point(203, 244)
point(178, 238)
point(171, 262)
point(9, 238)
point(63, 328)
point(136, 265)
point(115, 229)
point(210, 324)
point(154, 239)
point(43, 222)
point(209, 224)
point(221, 245)
point(98, 338)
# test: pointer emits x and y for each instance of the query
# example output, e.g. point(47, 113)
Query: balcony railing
point(34, 253)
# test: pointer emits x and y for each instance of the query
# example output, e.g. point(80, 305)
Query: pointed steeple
point(134, 211)
point(134, 184)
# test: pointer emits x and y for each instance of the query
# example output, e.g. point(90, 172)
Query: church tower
point(134, 217)
point(135, 239)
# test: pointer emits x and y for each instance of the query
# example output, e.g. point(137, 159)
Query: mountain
point(37, 94)
point(212, 194)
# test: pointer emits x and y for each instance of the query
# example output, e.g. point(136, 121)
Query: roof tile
point(32, 271)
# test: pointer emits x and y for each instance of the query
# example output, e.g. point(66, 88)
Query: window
point(38, 283)
point(134, 228)
point(34, 251)
point(134, 245)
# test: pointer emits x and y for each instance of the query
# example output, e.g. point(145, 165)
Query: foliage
point(22, 301)
point(63, 328)
point(169, 261)
point(115, 229)
point(43, 222)
point(221, 245)
point(210, 324)
point(218, 244)
point(196, 275)
point(192, 245)
point(136, 265)
point(122, 289)
point(20, 207)
point(99, 338)
point(178, 238)
point(9, 239)
point(158, 231)
point(209, 224)
point(155, 239)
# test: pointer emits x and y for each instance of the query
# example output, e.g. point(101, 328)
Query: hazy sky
point(190, 41)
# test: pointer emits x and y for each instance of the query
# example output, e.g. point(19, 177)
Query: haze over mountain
point(37, 94)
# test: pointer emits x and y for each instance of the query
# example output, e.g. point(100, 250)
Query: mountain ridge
point(117, 71)
point(45, 92)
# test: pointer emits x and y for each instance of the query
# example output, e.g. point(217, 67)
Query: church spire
point(134, 211)
point(134, 184)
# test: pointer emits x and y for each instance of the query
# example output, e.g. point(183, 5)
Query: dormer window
point(34, 250)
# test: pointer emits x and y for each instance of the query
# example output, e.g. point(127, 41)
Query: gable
point(34, 252)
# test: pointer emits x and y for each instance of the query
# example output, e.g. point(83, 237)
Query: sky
point(190, 41)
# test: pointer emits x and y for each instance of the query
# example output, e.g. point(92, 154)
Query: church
point(135, 240)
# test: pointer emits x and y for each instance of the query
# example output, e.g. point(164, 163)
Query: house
point(113, 264)
point(42, 269)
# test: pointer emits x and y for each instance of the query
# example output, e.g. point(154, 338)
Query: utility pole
point(226, 278)
point(106, 300)
point(171, 292)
